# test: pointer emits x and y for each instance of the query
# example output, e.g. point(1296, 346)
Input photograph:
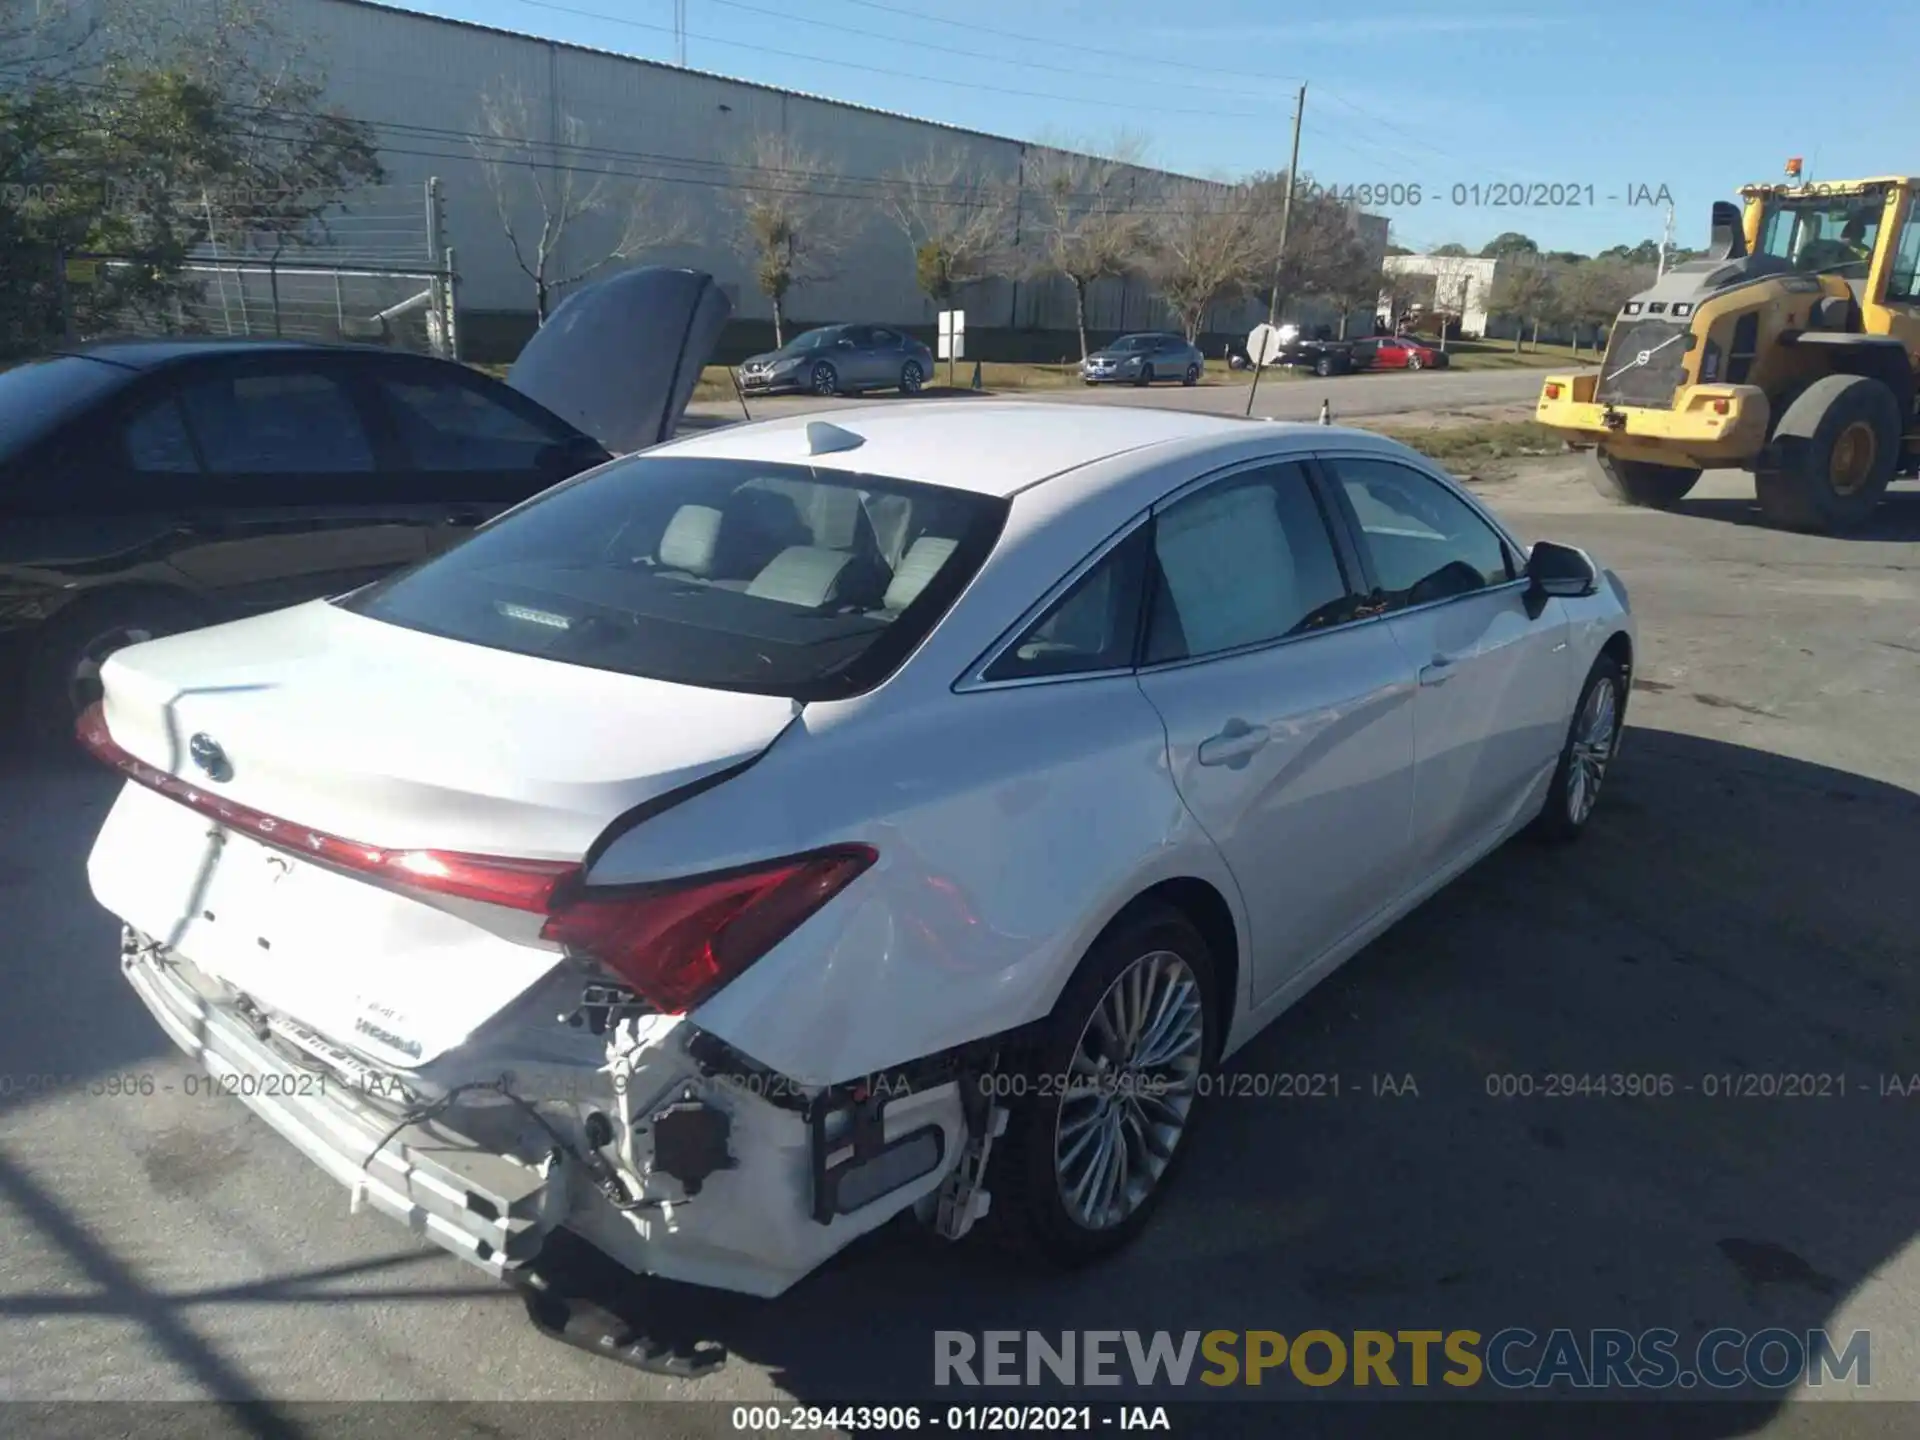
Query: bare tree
point(1084, 222)
point(1322, 245)
point(1523, 288)
point(956, 216)
point(1596, 289)
point(795, 221)
point(1453, 277)
point(564, 187)
point(1408, 293)
point(1208, 246)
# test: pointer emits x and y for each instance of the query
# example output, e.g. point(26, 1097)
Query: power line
point(1076, 46)
point(1103, 102)
point(729, 178)
point(1001, 59)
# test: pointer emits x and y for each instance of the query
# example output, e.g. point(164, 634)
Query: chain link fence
point(377, 270)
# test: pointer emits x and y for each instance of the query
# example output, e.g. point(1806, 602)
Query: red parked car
point(1399, 352)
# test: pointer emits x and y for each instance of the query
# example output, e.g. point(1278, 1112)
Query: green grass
point(1480, 447)
point(1499, 355)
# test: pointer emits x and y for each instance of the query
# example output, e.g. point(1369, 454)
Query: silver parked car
point(1143, 359)
point(840, 360)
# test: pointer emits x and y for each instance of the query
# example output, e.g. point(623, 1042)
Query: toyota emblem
point(212, 760)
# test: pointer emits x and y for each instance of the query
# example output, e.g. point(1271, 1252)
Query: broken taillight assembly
point(674, 942)
point(678, 942)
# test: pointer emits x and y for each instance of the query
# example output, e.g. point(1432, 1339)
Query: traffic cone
point(1326, 413)
point(976, 376)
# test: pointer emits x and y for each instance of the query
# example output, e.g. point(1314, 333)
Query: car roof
point(987, 447)
point(145, 353)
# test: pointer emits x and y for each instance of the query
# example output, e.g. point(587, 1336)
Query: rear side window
point(1090, 628)
point(278, 423)
point(157, 443)
point(729, 574)
point(1244, 561)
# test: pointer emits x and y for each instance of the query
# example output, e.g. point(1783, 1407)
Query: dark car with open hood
point(150, 486)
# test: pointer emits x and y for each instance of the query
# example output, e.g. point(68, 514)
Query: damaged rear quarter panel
point(1011, 824)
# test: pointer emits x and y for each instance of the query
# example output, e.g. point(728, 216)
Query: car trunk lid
point(310, 757)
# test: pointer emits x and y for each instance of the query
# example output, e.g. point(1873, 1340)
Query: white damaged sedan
point(799, 823)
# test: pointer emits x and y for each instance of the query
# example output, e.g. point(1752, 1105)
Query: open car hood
point(619, 358)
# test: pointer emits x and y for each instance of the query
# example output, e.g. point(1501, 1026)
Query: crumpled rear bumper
point(489, 1210)
point(754, 1226)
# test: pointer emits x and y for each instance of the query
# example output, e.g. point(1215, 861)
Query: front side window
point(1903, 284)
point(445, 424)
point(1824, 235)
point(731, 574)
point(277, 423)
point(1244, 561)
point(1425, 542)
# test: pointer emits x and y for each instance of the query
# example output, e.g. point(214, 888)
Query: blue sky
point(1622, 97)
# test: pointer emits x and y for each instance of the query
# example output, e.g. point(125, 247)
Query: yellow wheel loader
point(1790, 350)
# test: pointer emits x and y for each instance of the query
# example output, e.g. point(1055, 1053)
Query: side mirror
point(1558, 570)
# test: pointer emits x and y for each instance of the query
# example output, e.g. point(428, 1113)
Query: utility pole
point(680, 32)
point(1666, 244)
point(1286, 206)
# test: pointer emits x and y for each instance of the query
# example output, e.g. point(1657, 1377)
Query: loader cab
point(1865, 233)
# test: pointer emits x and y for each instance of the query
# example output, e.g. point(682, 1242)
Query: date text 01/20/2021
point(1495, 195)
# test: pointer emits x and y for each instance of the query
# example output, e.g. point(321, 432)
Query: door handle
point(1438, 672)
point(1235, 742)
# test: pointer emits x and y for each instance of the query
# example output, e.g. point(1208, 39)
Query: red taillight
point(677, 943)
point(492, 879)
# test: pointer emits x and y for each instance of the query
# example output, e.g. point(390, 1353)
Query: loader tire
point(1635, 482)
point(1834, 452)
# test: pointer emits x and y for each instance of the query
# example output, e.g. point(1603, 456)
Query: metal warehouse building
point(422, 82)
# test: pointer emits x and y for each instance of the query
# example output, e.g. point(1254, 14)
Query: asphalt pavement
point(1744, 905)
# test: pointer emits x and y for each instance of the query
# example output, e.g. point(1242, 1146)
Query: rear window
point(40, 394)
point(729, 574)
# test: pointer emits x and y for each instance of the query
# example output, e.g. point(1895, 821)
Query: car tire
point(1839, 423)
point(1323, 367)
point(1414, 362)
point(1145, 377)
point(1593, 739)
point(911, 378)
point(64, 661)
point(1636, 482)
point(824, 380)
point(1033, 1165)
point(1192, 377)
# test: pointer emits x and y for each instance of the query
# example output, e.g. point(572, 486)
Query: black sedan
point(151, 486)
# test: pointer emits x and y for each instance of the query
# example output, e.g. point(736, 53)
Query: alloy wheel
point(1133, 1077)
point(825, 381)
point(910, 378)
point(1595, 736)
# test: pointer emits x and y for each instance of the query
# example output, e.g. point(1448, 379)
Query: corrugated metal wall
point(422, 82)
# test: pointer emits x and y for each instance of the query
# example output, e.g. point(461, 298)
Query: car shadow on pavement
point(1733, 916)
